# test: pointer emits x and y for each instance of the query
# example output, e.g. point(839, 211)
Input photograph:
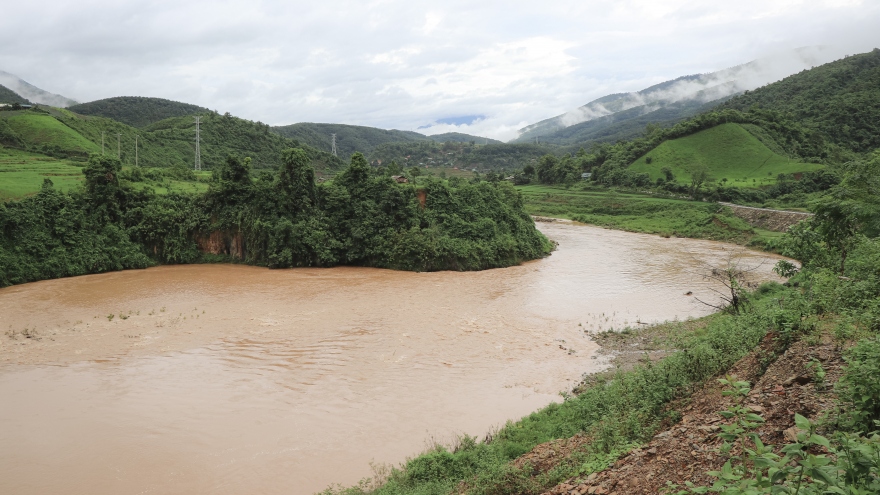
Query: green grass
point(639, 213)
point(728, 151)
point(22, 173)
point(44, 130)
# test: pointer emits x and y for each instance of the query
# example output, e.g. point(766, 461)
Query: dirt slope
point(687, 450)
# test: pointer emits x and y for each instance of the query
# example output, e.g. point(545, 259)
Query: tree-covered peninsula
point(277, 219)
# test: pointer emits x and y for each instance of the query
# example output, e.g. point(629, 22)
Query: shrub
point(859, 388)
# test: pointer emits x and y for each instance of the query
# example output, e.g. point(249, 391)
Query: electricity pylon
point(198, 151)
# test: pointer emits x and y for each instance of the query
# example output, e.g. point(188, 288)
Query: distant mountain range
point(32, 93)
point(351, 138)
point(624, 115)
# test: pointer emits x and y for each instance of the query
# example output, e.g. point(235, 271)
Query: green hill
point(840, 100)
point(137, 111)
point(43, 132)
point(171, 142)
point(463, 155)
point(222, 135)
point(352, 138)
point(9, 97)
point(728, 151)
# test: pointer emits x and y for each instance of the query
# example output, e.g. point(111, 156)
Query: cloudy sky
point(482, 67)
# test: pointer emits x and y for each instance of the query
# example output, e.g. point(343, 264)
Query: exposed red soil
point(687, 450)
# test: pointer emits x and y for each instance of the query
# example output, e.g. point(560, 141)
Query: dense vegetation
point(839, 100)
point(137, 111)
point(278, 219)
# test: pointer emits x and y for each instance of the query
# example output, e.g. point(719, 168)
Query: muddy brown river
point(227, 379)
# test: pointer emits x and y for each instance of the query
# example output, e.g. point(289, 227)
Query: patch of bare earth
point(687, 450)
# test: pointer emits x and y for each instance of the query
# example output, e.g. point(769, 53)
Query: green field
point(642, 213)
point(728, 151)
point(45, 130)
point(22, 173)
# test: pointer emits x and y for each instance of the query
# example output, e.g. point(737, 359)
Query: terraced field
point(22, 173)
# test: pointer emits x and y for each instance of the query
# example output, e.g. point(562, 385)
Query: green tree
point(850, 209)
point(699, 175)
point(545, 169)
point(102, 186)
point(296, 180)
point(393, 168)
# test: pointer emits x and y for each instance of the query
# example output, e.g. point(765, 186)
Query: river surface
point(228, 379)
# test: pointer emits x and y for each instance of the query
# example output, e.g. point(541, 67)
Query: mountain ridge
point(682, 95)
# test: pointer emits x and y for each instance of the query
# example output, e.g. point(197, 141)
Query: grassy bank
point(635, 212)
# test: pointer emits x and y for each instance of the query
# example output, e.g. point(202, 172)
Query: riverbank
point(650, 214)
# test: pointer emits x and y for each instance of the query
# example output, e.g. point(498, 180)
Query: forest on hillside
point(137, 111)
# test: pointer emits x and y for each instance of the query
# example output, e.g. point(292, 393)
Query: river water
point(227, 379)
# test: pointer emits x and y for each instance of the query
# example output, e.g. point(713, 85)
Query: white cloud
point(396, 64)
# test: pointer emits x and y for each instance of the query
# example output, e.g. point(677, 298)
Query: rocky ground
point(685, 451)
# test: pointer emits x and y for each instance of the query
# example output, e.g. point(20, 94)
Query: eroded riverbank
point(236, 379)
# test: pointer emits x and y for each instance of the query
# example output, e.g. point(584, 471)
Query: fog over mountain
point(699, 88)
point(33, 93)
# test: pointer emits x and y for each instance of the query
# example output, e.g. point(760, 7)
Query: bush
point(859, 388)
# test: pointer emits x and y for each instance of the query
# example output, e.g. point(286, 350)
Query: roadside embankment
point(765, 218)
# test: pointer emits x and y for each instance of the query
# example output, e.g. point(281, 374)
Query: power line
point(198, 150)
point(333, 144)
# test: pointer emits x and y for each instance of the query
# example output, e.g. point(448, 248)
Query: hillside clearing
point(728, 151)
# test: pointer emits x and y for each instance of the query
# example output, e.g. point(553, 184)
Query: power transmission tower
point(333, 144)
point(198, 150)
point(119, 145)
point(102, 143)
point(135, 150)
